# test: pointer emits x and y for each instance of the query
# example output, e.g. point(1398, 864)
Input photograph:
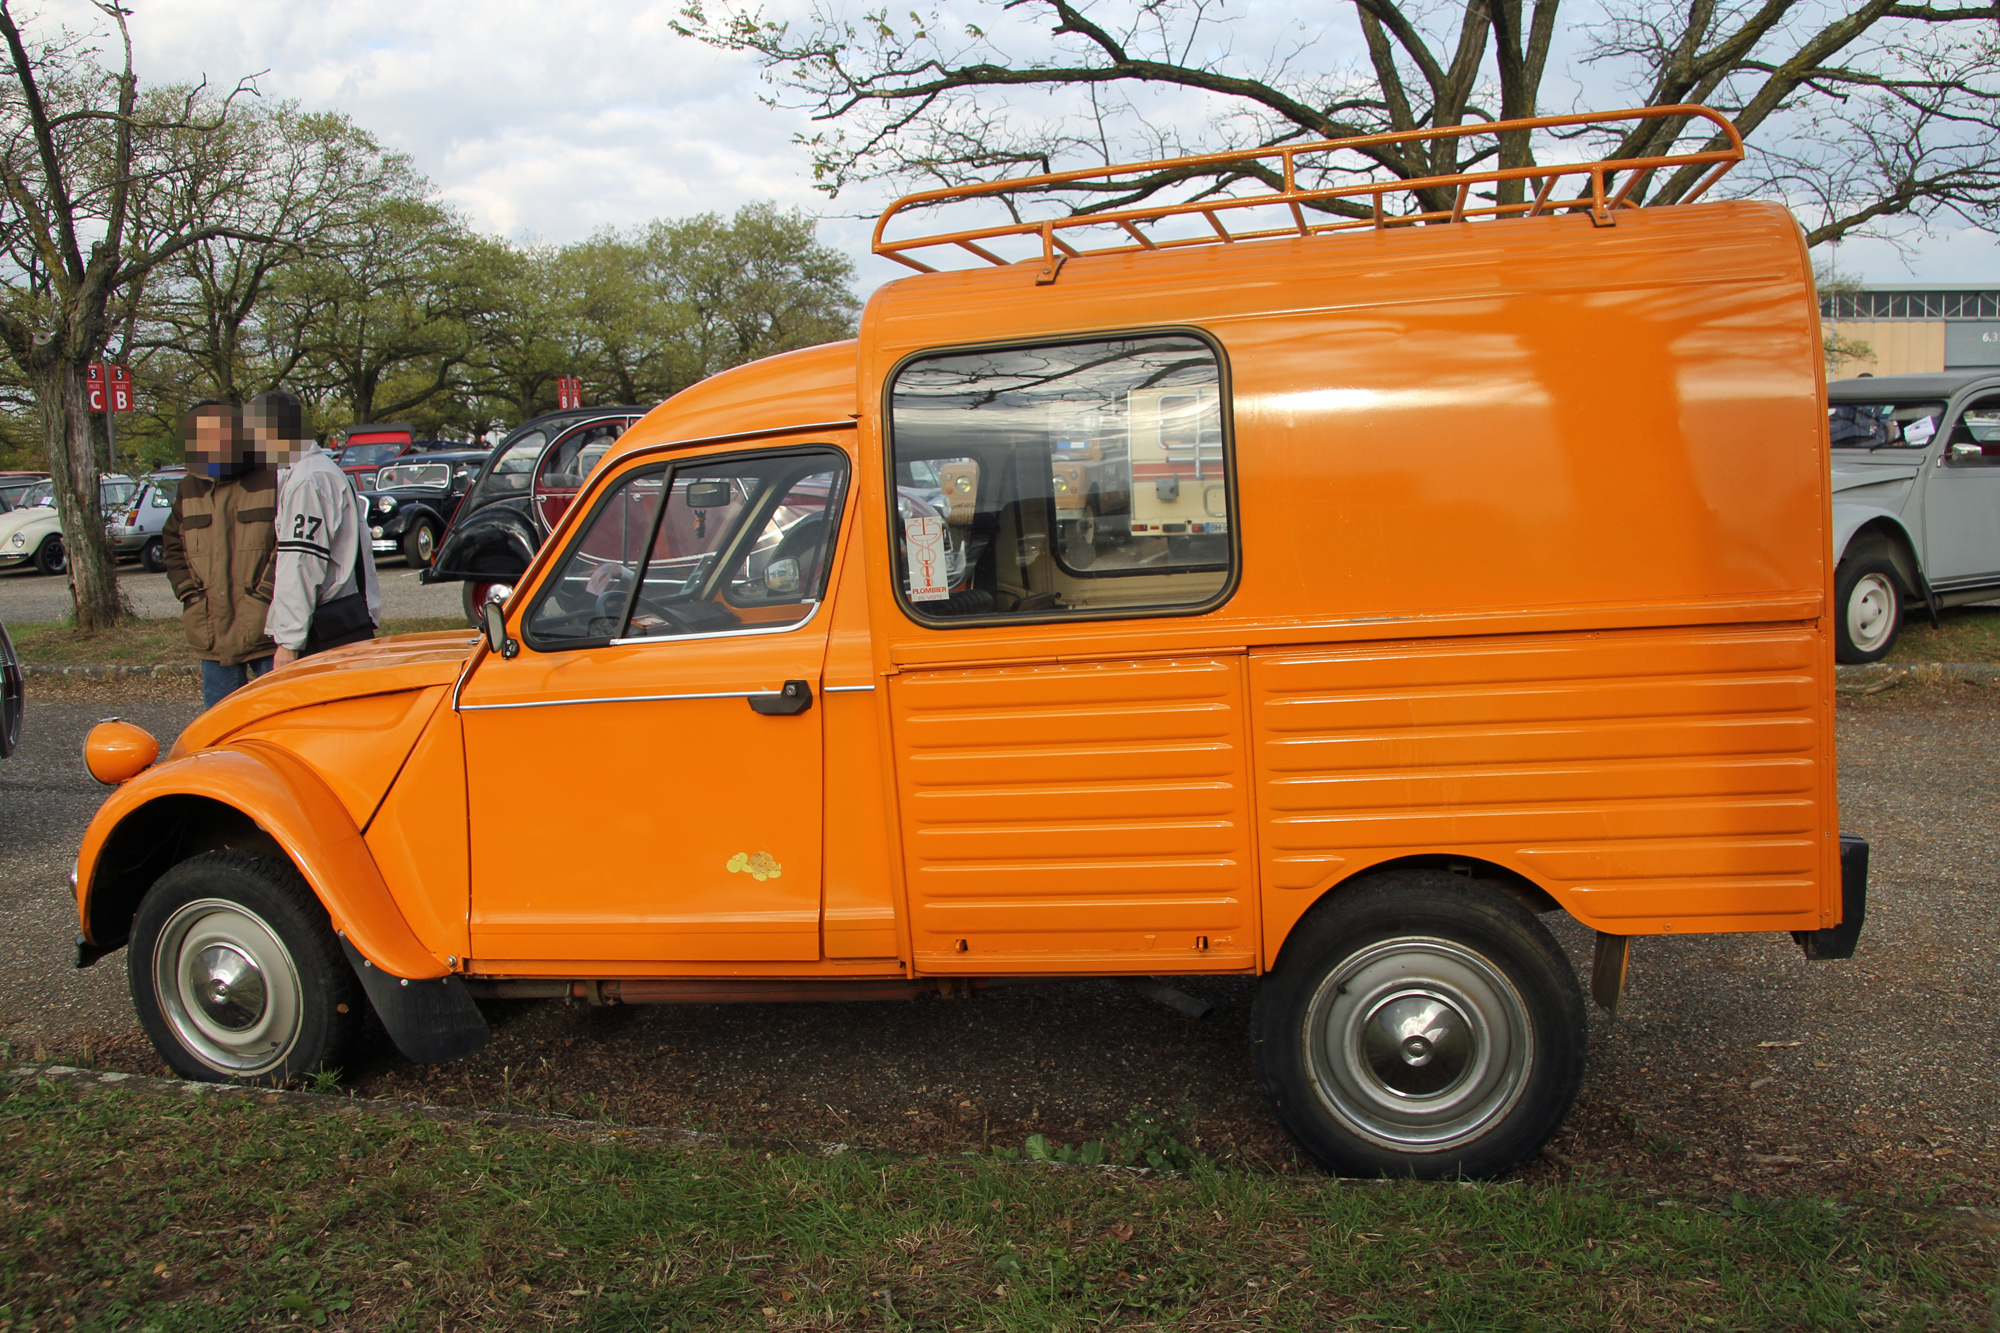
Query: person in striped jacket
point(324, 592)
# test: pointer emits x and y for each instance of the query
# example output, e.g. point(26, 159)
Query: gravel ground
point(26, 596)
point(1733, 1064)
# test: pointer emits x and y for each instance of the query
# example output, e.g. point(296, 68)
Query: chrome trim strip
point(721, 633)
point(621, 699)
point(846, 689)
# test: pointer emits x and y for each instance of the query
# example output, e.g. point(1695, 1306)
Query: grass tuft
point(151, 642)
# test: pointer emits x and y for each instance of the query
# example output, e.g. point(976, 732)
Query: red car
point(369, 447)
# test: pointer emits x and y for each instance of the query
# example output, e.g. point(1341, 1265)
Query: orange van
point(1473, 566)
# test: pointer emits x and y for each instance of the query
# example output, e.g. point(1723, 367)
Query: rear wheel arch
point(1490, 876)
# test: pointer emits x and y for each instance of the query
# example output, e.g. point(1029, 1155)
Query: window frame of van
point(668, 467)
point(1226, 398)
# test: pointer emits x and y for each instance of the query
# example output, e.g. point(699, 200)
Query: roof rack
point(1599, 200)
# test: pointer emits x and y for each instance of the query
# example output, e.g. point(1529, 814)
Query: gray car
point(137, 528)
point(1916, 500)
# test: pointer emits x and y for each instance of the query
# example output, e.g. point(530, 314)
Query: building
point(1911, 330)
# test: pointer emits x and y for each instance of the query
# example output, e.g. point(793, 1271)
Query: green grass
point(150, 642)
point(134, 1211)
point(1967, 634)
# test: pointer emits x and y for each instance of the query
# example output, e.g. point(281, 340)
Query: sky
point(547, 121)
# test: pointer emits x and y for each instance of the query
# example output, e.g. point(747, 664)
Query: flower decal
point(759, 867)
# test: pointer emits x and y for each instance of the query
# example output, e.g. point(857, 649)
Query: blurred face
point(273, 439)
point(209, 435)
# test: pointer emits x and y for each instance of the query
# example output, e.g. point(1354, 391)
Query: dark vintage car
point(13, 691)
point(413, 500)
point(526, 487)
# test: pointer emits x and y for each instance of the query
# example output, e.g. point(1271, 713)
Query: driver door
point(645, 774)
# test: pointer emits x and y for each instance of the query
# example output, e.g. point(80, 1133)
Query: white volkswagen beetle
point(30, 533)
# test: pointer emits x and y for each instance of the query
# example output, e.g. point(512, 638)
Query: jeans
point(218, 680)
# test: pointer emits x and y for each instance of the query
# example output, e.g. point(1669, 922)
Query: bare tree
point(1873, 111)
point(76, 153)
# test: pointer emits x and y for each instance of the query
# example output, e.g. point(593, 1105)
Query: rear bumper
point(1839, 941)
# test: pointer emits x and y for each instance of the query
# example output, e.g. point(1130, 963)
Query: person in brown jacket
point(220, 544)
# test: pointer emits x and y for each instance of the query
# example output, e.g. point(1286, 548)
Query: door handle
point(796, 697)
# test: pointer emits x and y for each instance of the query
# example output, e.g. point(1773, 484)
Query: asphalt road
point(27, 597)
point(1734, 1064)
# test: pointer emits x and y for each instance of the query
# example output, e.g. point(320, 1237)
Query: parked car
point(15, 486)
point(138, 529)
point(1572, 655)
point(1916, 500)
point(13, 694)
point(412, 501)
point(366, 448)
point(526, 486)
point(31, 533)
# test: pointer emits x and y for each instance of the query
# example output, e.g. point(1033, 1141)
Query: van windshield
point(1883, 425)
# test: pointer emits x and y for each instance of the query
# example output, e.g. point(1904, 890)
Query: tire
point(153, 556)
point(50, 557)
point(1867, 607)
point(420, 545)
point(1489, 1013)
point(473, 599)
point(236, 973)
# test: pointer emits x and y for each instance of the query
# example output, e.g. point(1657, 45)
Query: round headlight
point(386, 503)
point(115, 751)
point(20, 540)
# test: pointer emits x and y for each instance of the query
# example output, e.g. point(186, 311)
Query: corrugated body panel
point(1077, 817)
point(1651, 781)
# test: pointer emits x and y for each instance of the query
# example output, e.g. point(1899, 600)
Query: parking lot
point(30, 598)
point(1734, 1064)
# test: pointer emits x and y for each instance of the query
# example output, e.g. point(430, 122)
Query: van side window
point(740, 544)
point(1059, 482)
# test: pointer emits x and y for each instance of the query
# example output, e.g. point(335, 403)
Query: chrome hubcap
point(227, 986)
point(1418, 1043)
point(1871, 612)
point(425, 543)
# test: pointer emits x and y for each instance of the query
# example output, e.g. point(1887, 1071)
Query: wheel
point(1868, 607)
point(50, 558)
point(236, 974)
point(153, 556)
point(1418, 1025)
point(419, 545)
point(473, 599)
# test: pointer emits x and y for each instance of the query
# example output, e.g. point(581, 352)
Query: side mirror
point(496, 623)
point(1966, 453)
point(782, 576)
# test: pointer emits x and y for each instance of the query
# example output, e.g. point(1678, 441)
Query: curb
point(96, 1080)
point(1879, 676)
point(114, 672)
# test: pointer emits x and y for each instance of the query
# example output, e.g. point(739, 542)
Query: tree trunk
point(93, 569)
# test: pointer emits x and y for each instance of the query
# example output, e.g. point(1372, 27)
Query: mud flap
point(430, 1021)
point(1838, 941)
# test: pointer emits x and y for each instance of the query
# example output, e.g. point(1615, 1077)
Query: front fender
point(1850, 517)
point(495, 542)
point(151, 821)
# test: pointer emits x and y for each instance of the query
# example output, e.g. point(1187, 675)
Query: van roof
point(1886, 388)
